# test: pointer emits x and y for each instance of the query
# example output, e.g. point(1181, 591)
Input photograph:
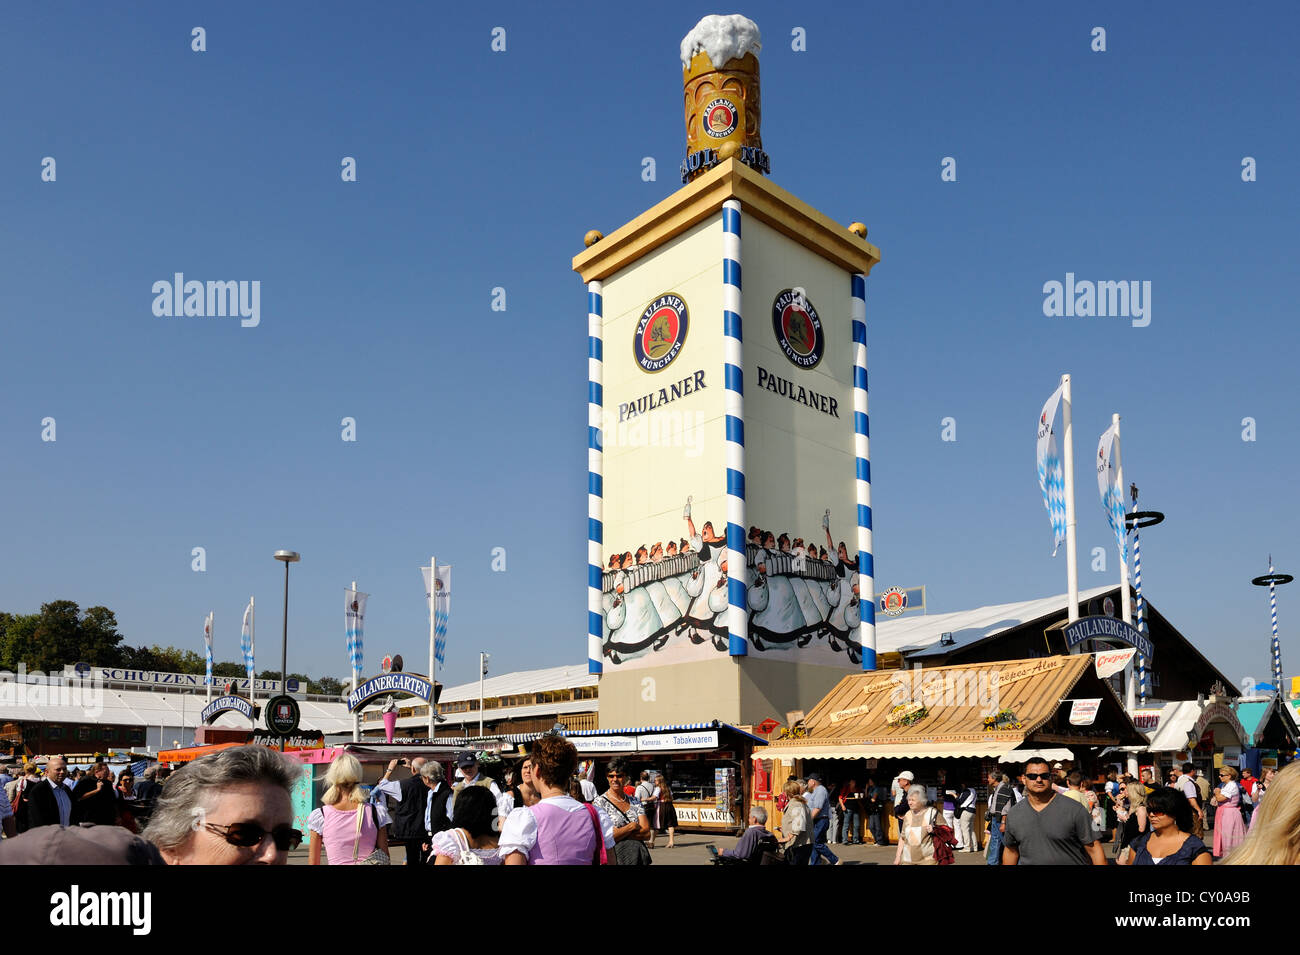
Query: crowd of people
point(234, 807)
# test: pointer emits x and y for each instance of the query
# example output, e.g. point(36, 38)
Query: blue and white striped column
point(862, 452)
point(595, 475)
point(733, 400)
point(1277, 645)
point(1141, 617)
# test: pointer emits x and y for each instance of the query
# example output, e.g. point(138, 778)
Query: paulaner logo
point(195, 299)
point(74, 907)
point(1123, 299)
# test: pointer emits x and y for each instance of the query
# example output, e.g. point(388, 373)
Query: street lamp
point(1271, 580)
point(483, 659)
point(289, 557)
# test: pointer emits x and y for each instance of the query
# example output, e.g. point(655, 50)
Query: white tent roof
point(523, 681)
point(921, 631)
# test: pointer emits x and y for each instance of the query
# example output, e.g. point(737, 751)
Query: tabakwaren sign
point(397, 684)
point(1107, 628)
point(224, 704)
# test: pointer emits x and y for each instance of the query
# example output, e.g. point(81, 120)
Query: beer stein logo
point(661, 332)
point(798, 328)
point(720, 118)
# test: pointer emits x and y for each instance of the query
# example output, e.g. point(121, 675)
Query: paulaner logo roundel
point(798, 329)
point(720, 118)
point(661, 332)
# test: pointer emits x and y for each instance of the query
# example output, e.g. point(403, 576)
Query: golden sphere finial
point(859, 230)
point(592, 237)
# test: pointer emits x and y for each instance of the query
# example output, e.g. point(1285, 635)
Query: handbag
point(376, 857)
point(941, 837)
point(467, 855)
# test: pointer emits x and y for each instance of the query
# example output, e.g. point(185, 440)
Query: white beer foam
point(723, 38)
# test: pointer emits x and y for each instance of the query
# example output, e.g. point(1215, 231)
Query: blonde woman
point(1229, 827)
point(796, 825)
point(1274, 837)
point(351, 830)
point(1134, 818)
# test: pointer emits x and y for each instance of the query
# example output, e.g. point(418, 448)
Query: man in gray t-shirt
point(1047, 829)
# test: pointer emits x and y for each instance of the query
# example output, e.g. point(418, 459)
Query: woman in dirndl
point(1229, 827)
point(663, 815)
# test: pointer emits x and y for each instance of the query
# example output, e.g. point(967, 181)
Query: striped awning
point(807, 749)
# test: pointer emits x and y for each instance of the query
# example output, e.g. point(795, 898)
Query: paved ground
point(689, 850)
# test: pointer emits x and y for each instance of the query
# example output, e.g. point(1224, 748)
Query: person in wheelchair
point(752, 845)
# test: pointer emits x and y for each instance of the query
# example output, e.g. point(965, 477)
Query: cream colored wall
point(772, 688)
point(682, 693)
point(798, 461)
point(656, 459)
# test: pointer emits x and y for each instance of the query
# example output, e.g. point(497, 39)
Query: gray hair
point(433, 770)
point(191, 793)
point(920, 792)
point(759, 815)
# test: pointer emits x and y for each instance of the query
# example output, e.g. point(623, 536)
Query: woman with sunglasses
point(1169, 839)
point(230, 808)
point(631, 828)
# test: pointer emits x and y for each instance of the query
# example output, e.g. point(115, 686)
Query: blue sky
point(479, 169)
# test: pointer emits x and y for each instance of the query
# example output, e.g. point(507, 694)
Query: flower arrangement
point(1003, 719)
point(905, 714)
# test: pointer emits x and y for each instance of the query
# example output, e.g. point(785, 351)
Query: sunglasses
point(249, 835)
point(1038, 775)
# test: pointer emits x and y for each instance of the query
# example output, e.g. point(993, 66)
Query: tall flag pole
point(1056, 481)
point(354, 617)
point(1141, 606)
point(207, 648)
point(1110, 481)
point(437, 588)
point(246, 644)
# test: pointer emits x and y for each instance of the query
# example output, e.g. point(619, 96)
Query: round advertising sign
point(720, 118)
point(282, 715)
point(661, 332)
point(798, 329)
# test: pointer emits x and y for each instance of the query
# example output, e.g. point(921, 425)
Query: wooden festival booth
point(951, 724)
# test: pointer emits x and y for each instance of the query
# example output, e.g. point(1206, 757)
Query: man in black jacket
point(94, 799)
point(419, 806)
point(47, 802)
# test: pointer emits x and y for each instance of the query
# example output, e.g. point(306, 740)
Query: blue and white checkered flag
point(1051, 473)
point(138, 767)
point(439, 594)
point(354, 613)
point(246, 640)
point(1112, 496)
point(207, 647)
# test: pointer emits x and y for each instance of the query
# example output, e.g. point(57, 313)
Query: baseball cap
point(465, 759)
point(906, 774)
point(816, 776)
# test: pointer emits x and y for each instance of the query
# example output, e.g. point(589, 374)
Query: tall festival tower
point(729, 479)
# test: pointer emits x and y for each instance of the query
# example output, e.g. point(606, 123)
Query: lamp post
point(483, 659)
point(1271, 580)
point(289, 557)
point(1133, 521)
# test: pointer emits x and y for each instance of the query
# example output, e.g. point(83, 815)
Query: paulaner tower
point(729, 517)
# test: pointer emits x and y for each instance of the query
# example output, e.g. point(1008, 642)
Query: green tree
point(227, 669)
point(328, 686)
